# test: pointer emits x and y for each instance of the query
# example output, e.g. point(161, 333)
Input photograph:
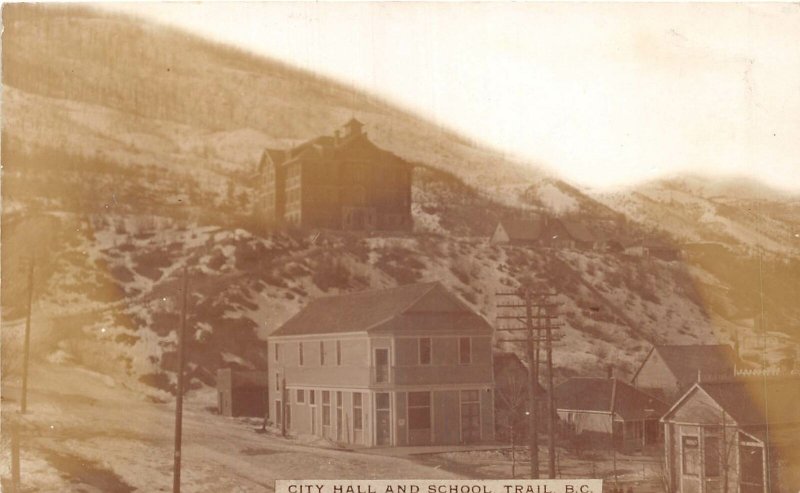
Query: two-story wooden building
point(342, 181)
point(410, 365)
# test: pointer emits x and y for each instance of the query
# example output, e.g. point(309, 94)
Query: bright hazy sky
point(605, 94)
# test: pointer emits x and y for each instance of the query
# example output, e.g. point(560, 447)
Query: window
point(358, 419)
point(465, 350)
point(300, 353)
point(338, 353)
point(312, 398)
point(326, 408)
point(277, 352)
point(277, 381)
point(321, 353)
point(278, 408)
point(691, 456)
point(419, 410)
point(425, 351)
point(301, 396)
point(711, 456)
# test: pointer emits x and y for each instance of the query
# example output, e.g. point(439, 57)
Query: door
point(381, 365)
point(470, 416)
point(383, 422)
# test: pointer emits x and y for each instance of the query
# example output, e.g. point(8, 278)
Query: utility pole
point(176, 468)
point(23, 406)
point(534, 328)
point(551, 418)
point(16, 486)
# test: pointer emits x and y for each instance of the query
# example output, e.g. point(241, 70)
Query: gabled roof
point(752, 401)
point(758, 400)
point(577, 230)
point(685, 361)
point(522, 229)
point(607, 395)
point(383, 309)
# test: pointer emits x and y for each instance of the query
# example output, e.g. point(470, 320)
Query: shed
point(738, 436)
point(601, 411)
point(241, 393)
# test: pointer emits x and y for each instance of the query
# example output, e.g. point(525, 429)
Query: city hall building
point(410, 365)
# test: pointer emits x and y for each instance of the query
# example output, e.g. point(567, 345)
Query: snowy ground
point(86, 432)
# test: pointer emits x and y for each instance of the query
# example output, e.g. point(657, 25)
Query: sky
point(606, 95)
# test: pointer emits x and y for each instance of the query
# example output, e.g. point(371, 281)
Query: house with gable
point(736, 436)
point(606, 412)
point(669, 370)
point(343, 181)
point(409, 365)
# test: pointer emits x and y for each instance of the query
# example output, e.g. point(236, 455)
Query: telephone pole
point(176, 468)
point(23, 406)
point(538, 328)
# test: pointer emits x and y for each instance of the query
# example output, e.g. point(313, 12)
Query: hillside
point(130, 151)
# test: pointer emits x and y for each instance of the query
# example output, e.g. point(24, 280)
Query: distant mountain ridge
point(133, 151)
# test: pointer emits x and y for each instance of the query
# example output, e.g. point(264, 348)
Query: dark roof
point(685, 361)
point(577, 230)
point(353, 122)
point(757, 401)
point(608, 395)
point(381, 309)
point(522, 229)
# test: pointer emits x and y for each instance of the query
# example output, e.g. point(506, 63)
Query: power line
point(539, 328)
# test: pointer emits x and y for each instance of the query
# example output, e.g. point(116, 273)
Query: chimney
point(610, 371)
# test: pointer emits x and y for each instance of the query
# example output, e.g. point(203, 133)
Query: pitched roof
point(577, 230)
point(607, 395)
point(757, 401)
point(379, 309)
point(685, 361)
point(522, 229)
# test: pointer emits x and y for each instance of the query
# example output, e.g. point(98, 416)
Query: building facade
point(738, 436)
point(410, 365)
point(670, 370)
point(241, 393)
point(606, 412)
point(342, 181)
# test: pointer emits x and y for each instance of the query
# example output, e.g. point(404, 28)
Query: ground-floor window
point(470, 416)
point(358, 418)
point(326, 408)
point(278, 412)
point(419, 410)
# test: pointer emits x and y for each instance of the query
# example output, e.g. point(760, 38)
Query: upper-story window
point(338, 353)
point(321, 353)
point(465, 350)
point(277, 352)
point(300, 352)
point(301, 396)
point(425, 350)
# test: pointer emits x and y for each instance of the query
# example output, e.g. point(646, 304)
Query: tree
point(512, 398)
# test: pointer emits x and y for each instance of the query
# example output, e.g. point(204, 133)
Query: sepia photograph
point(400, 247)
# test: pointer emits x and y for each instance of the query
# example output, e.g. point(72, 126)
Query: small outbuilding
point(738, 436)
point(602, 411)
point(241, 393)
